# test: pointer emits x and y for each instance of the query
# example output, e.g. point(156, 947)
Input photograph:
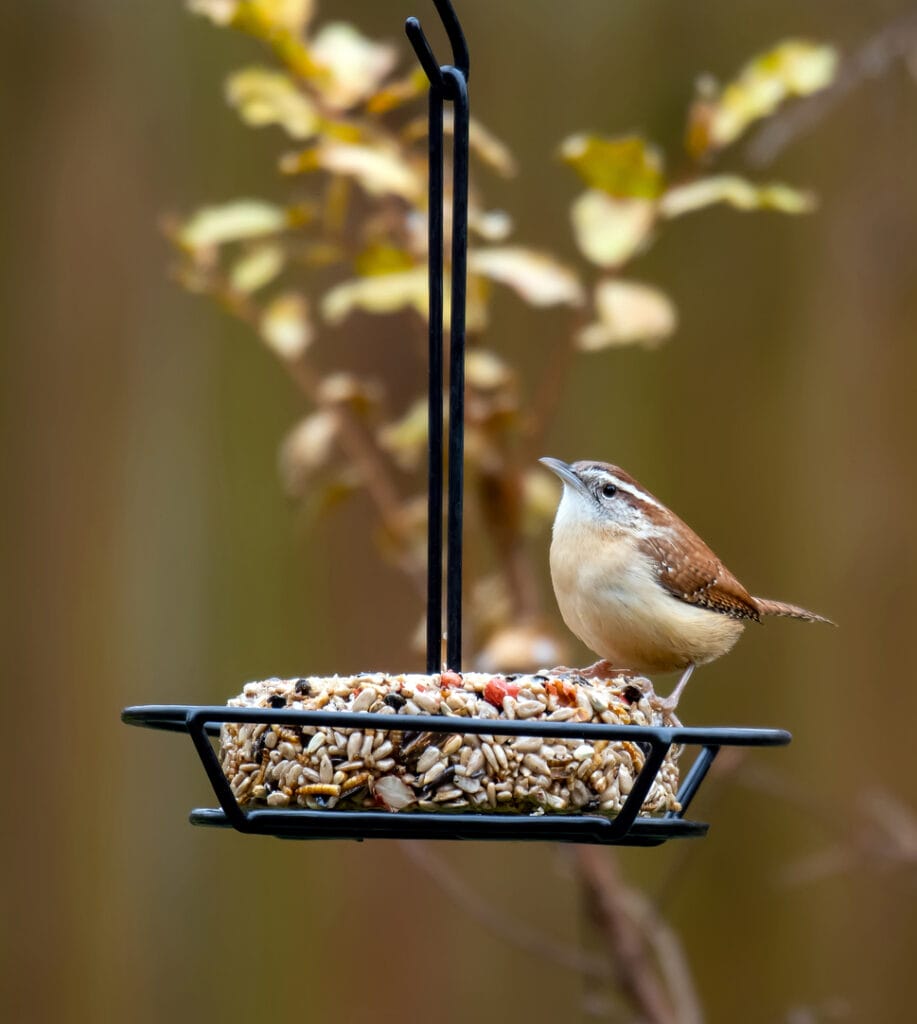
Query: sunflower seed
point(528, 708)
point(364, 700)
point(452, 745)
point(434, 773)
point(427, 759)
point(536, 764)
point(527, 744)
point(316, 743)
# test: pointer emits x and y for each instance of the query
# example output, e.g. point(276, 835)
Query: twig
point(893, 42)
point(670, 956)
point(483, 911)
point(613, 909)
point(886, 836)
point(357, 446)
point(372, 468)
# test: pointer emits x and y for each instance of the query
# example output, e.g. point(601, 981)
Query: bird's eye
point(609, 490)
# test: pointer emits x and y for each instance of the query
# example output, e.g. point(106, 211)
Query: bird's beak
point(565, 472)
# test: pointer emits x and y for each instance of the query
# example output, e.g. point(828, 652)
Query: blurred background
point(149, 555)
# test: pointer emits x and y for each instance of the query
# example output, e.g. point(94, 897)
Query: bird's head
point(598, 494)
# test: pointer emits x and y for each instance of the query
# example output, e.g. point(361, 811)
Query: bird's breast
point(610, 597)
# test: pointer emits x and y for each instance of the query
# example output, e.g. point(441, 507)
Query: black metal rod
point(174, 718)
point(449, 82)
point(696, 775)
point(196, 724)
point(435, 399)
point(459, 92)
point(641, 787)
point(331, 824)
point(449, 18)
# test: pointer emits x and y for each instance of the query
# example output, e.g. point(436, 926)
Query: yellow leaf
point(242, 218)
point(271, 97)
point(536, 277)
point(395, 93)
point(306, 449)
point(610, 231)
point(285, 326)
point(278, 23)
point(257, 267)
point(793, 68)
point(355, 65)
point(265, 16)
point(406, 439)
point(382, 258)
point(628, 312)
point(626, 167)
point(736, 192)
point(292, 15)
point(380, 170)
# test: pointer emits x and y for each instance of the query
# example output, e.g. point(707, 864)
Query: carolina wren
point(637, 585)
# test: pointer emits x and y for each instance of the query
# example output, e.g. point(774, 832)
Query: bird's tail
point(792, 611)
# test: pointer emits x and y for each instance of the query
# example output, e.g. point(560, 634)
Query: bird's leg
point(670, 703)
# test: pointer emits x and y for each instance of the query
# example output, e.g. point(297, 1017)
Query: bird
point(638, 586)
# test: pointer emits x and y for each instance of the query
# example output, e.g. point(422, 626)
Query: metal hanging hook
point(431, 66)
point(447, 82)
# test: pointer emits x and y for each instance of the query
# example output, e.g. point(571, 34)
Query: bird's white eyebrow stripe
point(635, 491)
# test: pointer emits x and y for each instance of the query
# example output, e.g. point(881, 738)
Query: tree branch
point(895, 41)
point(483, 911)
point(612, 907)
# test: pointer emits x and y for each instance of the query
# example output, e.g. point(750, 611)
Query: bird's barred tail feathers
point(792, 611)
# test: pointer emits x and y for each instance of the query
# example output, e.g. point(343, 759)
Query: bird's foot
point(667, 705)
point(601, 669)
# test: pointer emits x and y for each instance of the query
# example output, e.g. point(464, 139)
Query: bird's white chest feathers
point(610, 597)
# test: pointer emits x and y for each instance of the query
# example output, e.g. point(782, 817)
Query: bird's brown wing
point(690, 571)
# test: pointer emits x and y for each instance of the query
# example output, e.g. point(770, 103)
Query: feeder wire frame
point(627, 828)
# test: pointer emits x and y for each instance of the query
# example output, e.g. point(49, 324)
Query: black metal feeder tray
point(627, 828)
point(448, 83)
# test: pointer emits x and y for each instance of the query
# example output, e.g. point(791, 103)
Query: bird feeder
point(299, 759)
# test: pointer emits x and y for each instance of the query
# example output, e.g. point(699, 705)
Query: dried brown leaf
point(536, 277)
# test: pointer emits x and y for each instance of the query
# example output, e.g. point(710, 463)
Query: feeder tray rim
point(179, 718)
point(627, 828)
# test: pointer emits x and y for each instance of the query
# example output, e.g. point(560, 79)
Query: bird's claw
point(601, 669)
